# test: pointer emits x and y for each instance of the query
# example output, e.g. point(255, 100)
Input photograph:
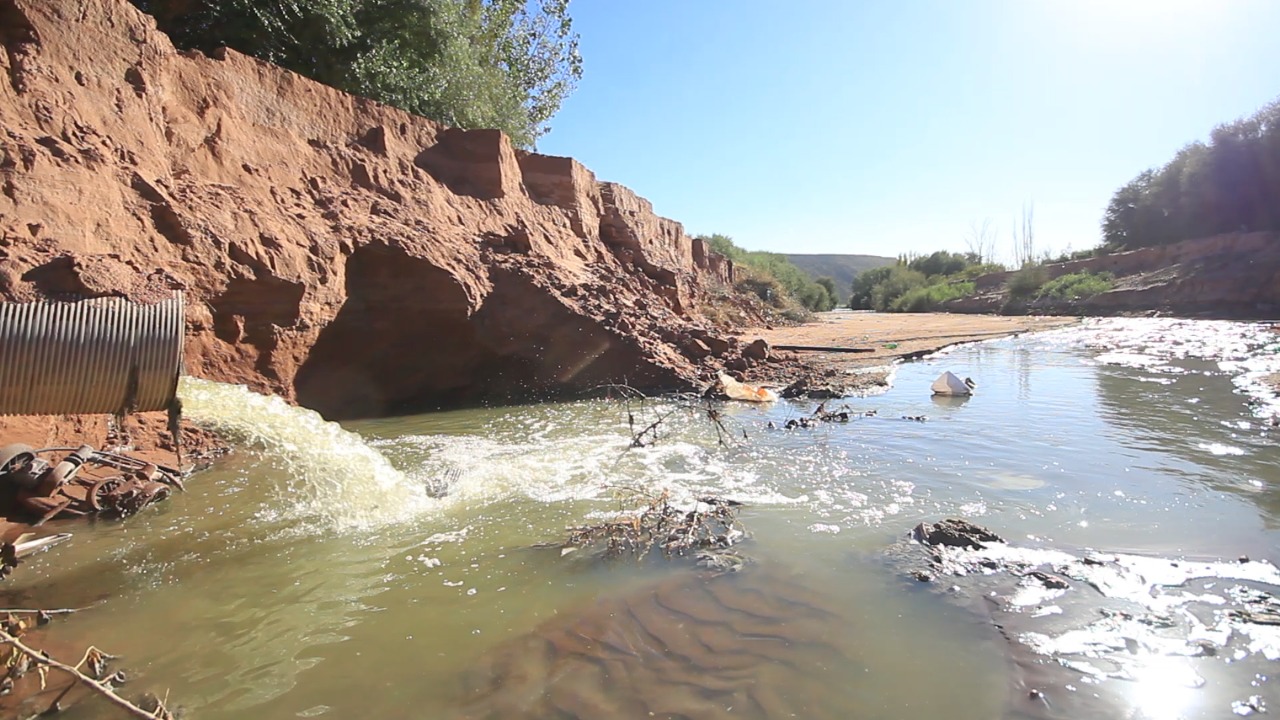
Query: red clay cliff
point(343, 254)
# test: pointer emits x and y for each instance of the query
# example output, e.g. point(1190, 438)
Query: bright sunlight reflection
point(1164, 687)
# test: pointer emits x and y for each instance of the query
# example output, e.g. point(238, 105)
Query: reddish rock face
point(348, 256)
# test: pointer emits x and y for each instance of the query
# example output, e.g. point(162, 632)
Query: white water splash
point(565, 466)
point(1220, 449)
point(1248, 352)
point(335, 476)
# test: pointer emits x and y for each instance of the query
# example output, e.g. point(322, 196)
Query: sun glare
point(1150, 14)
point(1134, 26)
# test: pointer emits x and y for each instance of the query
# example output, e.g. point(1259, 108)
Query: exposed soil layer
point(342, 254)
point(1235, 276)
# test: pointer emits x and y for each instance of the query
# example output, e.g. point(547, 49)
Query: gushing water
point(330, 473)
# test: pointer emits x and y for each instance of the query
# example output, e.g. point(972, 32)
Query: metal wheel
point(101, 495)
point(15, 456)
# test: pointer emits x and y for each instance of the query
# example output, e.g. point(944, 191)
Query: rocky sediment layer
point(343, 254)
point(1229, 276)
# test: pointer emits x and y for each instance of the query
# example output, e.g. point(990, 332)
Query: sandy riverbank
point(891, 336)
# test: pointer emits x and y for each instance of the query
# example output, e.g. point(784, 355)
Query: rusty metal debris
point(12, 553)
point(84, 481)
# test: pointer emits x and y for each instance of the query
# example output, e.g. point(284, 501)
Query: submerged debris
point(730, 389)
point(711, 524)
point(821, 414)
point(950, 384)
point(26, 672)
point(1254, 704)
point(813, 389)
point(12, 552)
point(645, 422)
point(954, 533)
point(755, 645)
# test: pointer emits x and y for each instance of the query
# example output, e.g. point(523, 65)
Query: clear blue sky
point(885, 127)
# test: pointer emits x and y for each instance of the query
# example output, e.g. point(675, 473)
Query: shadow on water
point(950, 402)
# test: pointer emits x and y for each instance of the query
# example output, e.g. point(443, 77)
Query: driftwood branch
point(98, 687)
point(683, 403)
point(30, 611)
point(823, 348)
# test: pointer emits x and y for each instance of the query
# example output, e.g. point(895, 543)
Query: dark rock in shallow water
point(954, 533)
point(1109, 635)
point(808, 388)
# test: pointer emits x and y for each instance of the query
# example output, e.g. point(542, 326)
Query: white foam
point(1220, 449)
point(334, 476)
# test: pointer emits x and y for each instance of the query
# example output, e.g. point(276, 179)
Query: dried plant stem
point(98, 687)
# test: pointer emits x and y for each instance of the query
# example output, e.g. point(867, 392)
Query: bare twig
point(712, 523)
point(101, 688)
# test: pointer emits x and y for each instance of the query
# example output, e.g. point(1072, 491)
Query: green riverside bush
point(1077, 286)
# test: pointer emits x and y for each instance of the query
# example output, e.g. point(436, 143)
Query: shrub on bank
point(783, 277)
point(1077, 286)
point(772, 293)
point(1026, 283)
point(900, 281)
point(931, 298)
point(918, 284)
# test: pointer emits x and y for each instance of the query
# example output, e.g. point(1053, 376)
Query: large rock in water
point(346, 255)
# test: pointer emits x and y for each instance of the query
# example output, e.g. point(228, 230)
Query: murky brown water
point(327, 583)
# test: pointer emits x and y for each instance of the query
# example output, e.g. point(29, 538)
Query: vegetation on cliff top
point(1076, 286)
point(1230, 184)
point(773, 278)
point(505, 64)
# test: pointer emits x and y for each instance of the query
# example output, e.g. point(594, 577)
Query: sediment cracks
point(742, 645)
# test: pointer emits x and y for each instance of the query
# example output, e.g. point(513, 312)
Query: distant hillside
point(840, 268)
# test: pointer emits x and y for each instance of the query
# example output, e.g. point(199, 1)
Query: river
point(388, 570)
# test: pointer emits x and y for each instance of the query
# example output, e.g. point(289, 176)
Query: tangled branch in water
point(664, 528)
point(644, 434)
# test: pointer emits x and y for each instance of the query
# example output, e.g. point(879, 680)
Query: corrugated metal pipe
point(105, 355)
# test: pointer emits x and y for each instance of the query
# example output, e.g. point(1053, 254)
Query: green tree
point(1230, 184)
point(942, 262)
point(724, 245)
point(505, 64)
point(864, 283)
point(828, 284)
point(900, 281)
